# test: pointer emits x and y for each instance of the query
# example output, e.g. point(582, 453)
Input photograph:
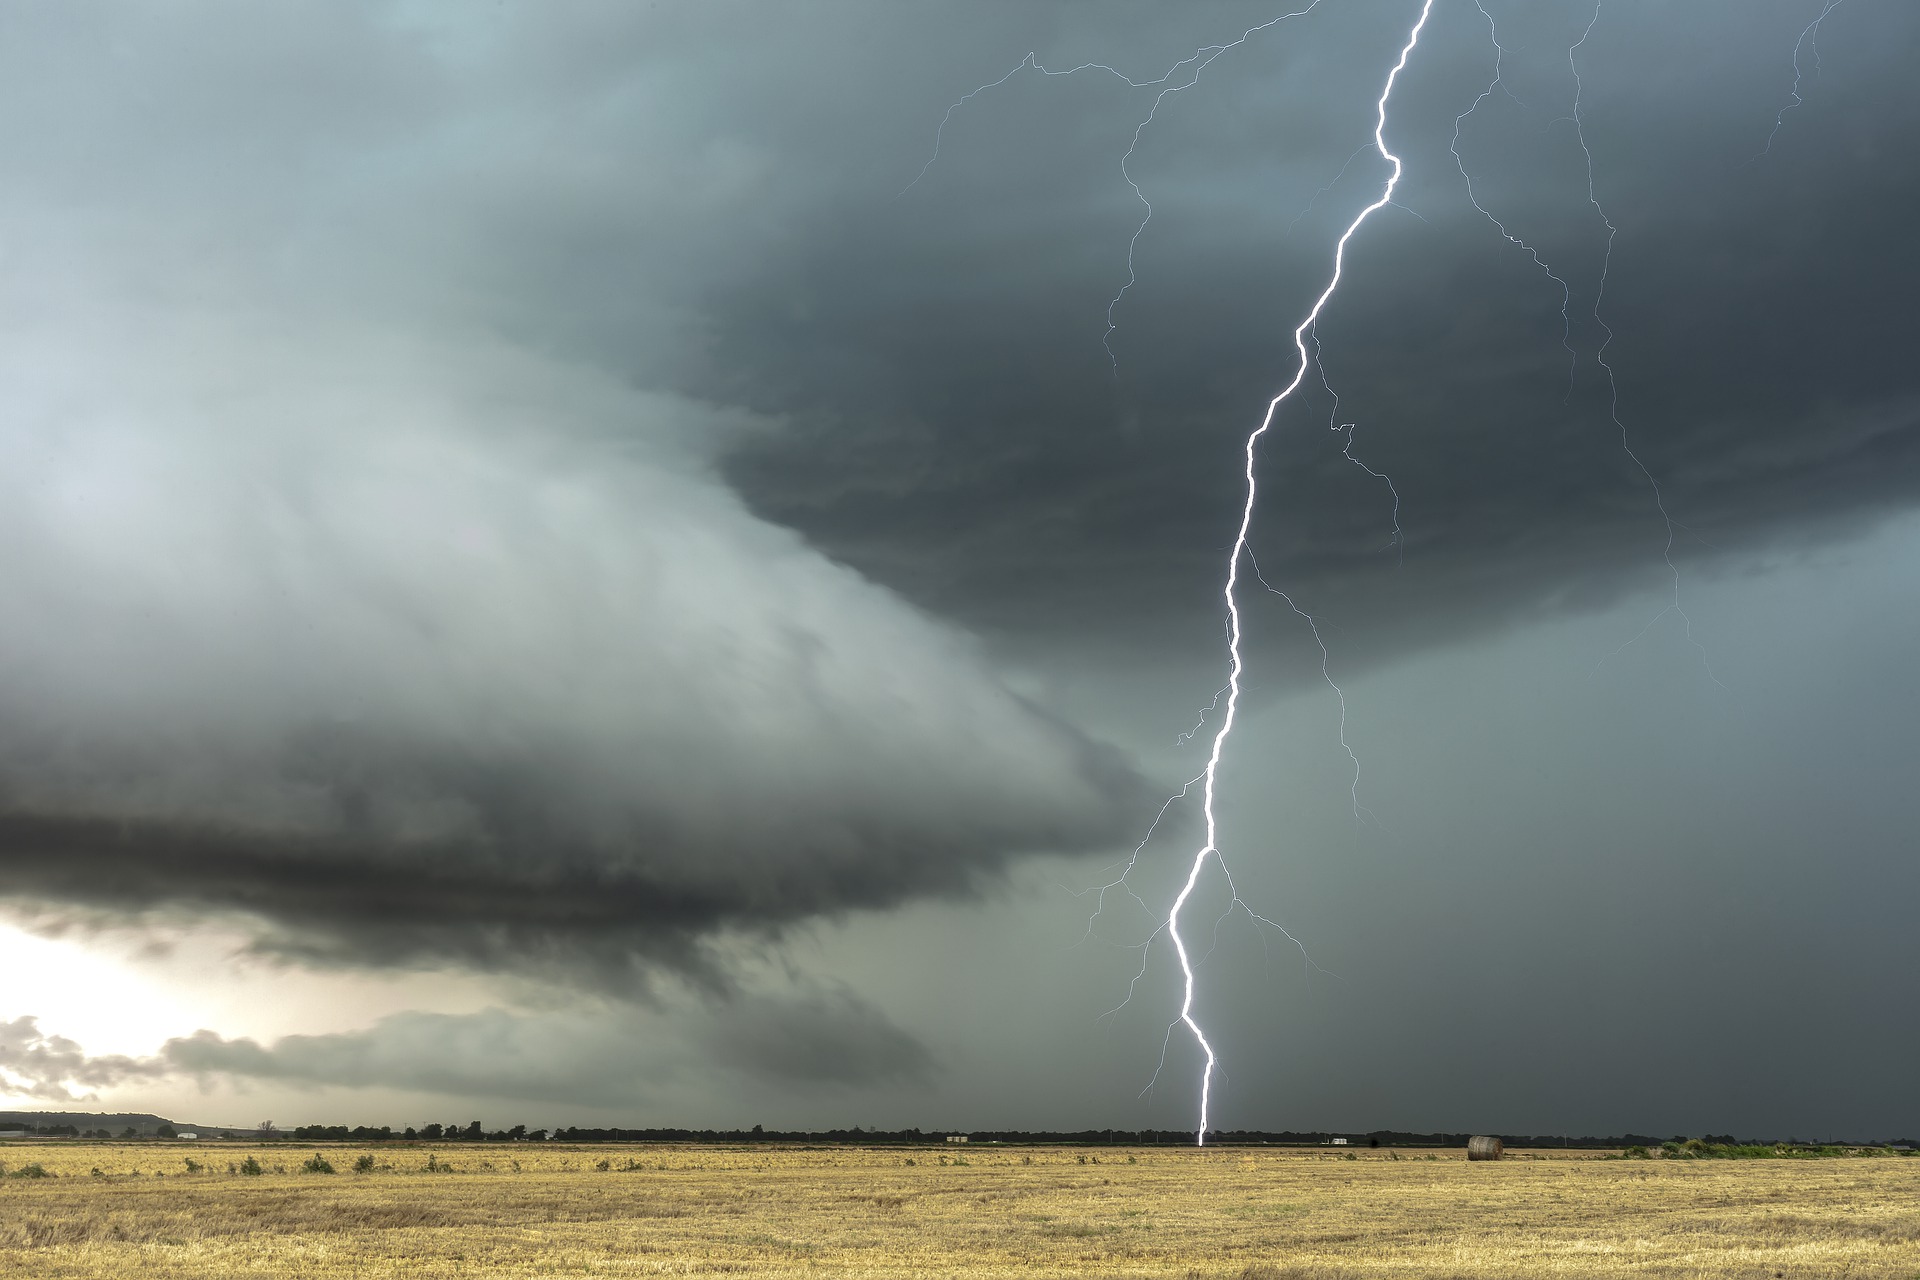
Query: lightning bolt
point(1199, 65)
point(1810, 37)
point(1566, 291)
point(1577, 119)
point(1399, 539)
point(1181, 76)
point(1235, 660)
point(1184, 75)
point(1613, 382)
point(1188, 71)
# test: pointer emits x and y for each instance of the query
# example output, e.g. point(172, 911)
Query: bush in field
point(251, 1167)
point(364, 1164)
point(318, 1164)
point(30, 1171)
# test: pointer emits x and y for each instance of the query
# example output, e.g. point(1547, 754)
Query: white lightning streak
point(1212, 52)
point(1811, 34)
point(1193, 64)
point(1600, 358)
point(1334, 424)
point(1185, 736)
point(1339, 694)
point(1566, 292)
point(1235, 662)
point(1314, 199)
point(1120, 881)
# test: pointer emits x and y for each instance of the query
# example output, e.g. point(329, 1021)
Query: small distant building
point(13, 1133)
point(957, 1137)
point(1336, 1142)
point(186, 1135)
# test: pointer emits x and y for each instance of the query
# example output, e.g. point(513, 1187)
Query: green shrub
point(30, 1171)
point(318, 1164)
point(364, 1164)
point(251, 1167)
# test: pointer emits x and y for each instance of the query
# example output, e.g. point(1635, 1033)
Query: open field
point(542, 1209)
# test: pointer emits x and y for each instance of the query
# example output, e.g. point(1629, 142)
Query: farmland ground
point(542, 1209)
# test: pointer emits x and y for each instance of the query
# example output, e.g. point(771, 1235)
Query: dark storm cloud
point(414, 674)
point(954, 428)
point(335, 606)
point(368, 571)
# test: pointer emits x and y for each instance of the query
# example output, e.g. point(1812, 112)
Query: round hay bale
point(1481, 1147)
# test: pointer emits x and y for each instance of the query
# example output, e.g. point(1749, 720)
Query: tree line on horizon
point(474, 1131)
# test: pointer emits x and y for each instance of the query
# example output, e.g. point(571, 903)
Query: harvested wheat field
point(529, 1209)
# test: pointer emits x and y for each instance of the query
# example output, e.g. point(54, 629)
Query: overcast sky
point(624, 565)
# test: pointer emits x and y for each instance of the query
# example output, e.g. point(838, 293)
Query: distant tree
point(129, 1132)
point(516, 1133)
point(412, 1132)
point(165, 1131)
point(473, 1133)
point(267, 1129)
point(431, 1133)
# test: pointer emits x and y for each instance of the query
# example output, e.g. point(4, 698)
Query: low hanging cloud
point(585, 1055)
point(51, 1068)
point(414, 652)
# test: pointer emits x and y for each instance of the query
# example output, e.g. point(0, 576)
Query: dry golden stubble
point(544, 1209)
